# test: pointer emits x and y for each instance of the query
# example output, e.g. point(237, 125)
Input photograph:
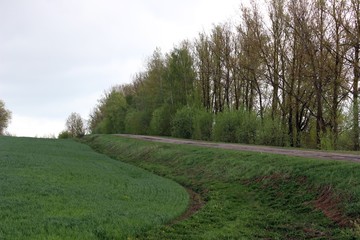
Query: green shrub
point(236, 126)
point(226, 125)
point(64, 135)
point(182, 124)
point(271, 132)
point(137, 122)
point(202, 123)
point(346, 132)
point(327, 141)
point(246, 131)
point(345, 141)
point(161, 121)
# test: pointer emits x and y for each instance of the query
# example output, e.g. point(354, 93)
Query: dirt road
point(252, 148)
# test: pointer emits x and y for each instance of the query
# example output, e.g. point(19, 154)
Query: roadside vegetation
point(286, 73)
point(248, 195)
point(61, 189)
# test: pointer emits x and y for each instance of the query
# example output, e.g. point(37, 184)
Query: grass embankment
point(61, 189)
point(249, 195)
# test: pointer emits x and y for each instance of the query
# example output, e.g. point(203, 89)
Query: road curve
point(252, 148)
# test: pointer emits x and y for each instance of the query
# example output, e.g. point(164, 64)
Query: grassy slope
point(249, 195)
point(60, 189)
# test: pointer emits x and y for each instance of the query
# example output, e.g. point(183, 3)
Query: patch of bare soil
point(195, 204)
point(329, 204)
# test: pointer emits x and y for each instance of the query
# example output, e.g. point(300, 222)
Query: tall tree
point(179, 76)
point(315, 43)
point(335, 65)
point(276, 56)
point(253, 40)
point(150, 84)
point(203, 69)
point(354, 41)
point(299, 88)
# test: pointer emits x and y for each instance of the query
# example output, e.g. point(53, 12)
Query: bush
point(345, 141)
point(246, 131)
point(327, 140)
point(161, 121)
point(102, 127)
point(64, 135)
point(226, 125)
point(346, 132)
point(271, 132)
point(202, 123)
point(182, 124)
point(137, 122)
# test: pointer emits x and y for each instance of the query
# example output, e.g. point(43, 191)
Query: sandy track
point(252, 148)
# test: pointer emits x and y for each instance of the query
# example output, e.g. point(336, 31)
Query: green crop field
point(61, 189)
point(249, 195)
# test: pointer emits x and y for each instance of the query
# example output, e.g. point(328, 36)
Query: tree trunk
point(355, 97)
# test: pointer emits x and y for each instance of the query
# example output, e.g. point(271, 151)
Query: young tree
point(5, 117)
point(179, 76)
point(75, 125)
point(149, 85)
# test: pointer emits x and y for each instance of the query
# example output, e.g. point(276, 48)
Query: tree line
point(286, 77)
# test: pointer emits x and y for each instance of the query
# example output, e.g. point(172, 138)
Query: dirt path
point(252, 148)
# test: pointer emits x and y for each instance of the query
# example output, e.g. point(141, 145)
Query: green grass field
point(61, 189)
point(249, 195)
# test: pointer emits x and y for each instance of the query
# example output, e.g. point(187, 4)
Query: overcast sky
point(59, 56)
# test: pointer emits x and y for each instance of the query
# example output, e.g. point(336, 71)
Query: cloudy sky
point(59, 56)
